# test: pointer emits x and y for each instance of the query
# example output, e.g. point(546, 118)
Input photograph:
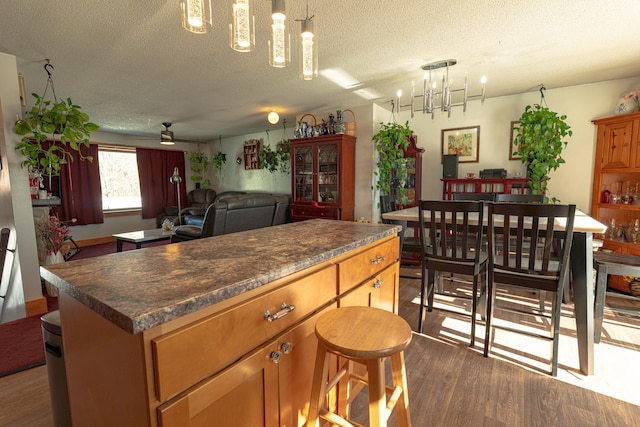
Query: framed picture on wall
point(514, 124)
point(465, 142)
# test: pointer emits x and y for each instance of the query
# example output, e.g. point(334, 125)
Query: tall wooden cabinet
point(323, 177)
point(615, 198)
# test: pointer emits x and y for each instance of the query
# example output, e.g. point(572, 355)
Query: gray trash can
point(54, 356)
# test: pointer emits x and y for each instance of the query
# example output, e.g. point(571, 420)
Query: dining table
point(581, 259)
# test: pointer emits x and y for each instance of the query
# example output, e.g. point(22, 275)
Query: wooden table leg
point(118, 245)
point(581, 269)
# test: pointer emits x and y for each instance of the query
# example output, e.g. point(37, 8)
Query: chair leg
point(474, 310)
point(542, 297)
point(557, 307)
point(423, 298)
point(431, 290)
point(399, 376)
point(491, 295)
point(601, 289)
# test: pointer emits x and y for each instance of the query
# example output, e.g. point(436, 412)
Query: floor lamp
point(175, 179)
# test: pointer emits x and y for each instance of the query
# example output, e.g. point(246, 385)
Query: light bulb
point(242, 23)
point(273, 117)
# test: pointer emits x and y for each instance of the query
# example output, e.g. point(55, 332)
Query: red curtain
point(155, 167)
point(79, 186)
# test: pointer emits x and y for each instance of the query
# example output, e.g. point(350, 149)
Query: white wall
point(21, 278)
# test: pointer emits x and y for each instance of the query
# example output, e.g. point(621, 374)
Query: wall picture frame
point(465, 142)
point(513, 134)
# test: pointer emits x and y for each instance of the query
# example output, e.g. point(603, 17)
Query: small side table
point(142, 236)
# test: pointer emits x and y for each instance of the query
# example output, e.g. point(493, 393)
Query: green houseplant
point(541, 137)
point(277, 159)
point(200, 165)
point(44, 122)
point(390, 142)
point(217, 161)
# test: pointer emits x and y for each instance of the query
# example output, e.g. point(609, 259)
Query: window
point(119, 178)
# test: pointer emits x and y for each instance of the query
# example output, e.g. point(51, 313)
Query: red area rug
point(21, 343)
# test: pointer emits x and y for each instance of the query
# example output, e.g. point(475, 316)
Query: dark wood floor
point(451, 384)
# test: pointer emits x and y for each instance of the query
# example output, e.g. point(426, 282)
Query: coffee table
point(142, 236)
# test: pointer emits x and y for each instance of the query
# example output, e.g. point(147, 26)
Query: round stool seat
point(363, 332)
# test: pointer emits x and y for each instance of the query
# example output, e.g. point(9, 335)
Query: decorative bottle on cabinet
point(323, 177)
point(616, 173)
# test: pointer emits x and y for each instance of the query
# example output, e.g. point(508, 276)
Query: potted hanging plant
point(541, 137)
point(390, 142)
point(200, 165)
point(64, 124)
point(277, 159)
point(217, 161)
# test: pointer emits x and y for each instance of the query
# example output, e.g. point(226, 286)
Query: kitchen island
point(215, 331)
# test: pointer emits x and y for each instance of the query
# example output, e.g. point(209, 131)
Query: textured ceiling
point(131, 66)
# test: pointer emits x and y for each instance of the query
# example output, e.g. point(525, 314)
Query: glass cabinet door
point(303, 170)
point(328, 184)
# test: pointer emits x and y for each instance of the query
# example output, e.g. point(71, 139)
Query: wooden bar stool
point(605, 264)
point(366, 336)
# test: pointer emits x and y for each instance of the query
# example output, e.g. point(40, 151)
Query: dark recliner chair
point(195, 216)
point(198, 201)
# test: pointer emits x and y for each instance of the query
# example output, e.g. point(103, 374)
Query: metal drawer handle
point(378, 284)
point(286, 309)
point(378, 259)
point(286, 347)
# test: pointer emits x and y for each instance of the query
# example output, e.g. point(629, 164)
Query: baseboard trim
point(36, 307)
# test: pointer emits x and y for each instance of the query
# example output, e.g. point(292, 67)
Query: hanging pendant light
point(243, 28)
point(280, 43)
point(308, 51)
point(196, 15)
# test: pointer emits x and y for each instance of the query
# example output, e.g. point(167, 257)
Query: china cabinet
point(323, 177)
point(615, 199)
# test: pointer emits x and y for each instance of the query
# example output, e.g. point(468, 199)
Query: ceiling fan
point(166, 136)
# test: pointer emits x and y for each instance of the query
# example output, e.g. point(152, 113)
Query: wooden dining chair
point(542, 264)
point(409, 244)
point(451, 243)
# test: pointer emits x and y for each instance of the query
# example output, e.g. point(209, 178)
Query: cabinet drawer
point(308, 212)
point(187, 355)
point(359, 268)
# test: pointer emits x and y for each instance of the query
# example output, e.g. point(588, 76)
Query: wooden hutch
point(323, 177)
point(615, 199)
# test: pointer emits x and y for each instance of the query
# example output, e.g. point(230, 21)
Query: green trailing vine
point(200, 165)
point(217, 161)
point(390, 142)
point(541, 137)
point(278, 159)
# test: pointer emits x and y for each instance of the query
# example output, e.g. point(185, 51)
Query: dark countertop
point(143, 288)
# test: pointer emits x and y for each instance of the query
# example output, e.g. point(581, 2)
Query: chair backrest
point(387, 204)
point(201, 197)
point(520, 198)
point(449, 229)
point(487, 197)
point(528, 245)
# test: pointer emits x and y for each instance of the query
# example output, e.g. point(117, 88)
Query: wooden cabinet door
point(617, 144)
point(381, 291)
point(298, 348)
point(245, 394)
